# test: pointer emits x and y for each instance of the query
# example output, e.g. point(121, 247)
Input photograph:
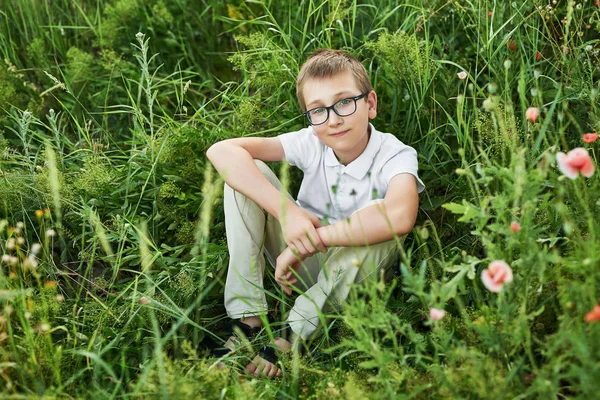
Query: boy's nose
point(334, 119)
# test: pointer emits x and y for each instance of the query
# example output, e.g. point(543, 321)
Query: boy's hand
point(300, 232)
point(287, 264)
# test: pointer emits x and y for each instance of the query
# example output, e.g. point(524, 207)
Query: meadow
point(111, 220)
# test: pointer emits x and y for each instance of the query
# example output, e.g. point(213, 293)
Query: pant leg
point(248, 227)
point(341, 267)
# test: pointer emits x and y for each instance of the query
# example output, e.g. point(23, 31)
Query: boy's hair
point(326, 63)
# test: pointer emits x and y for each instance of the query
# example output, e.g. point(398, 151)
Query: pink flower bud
point(593, 315)
point(436, 314)
point(462, 75)
point(515, 226)
point(532, 114)
point(144, 300)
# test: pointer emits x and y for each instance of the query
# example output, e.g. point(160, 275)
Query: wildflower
point(538, 55)
point(532, 114)
point(515, 226)
point(35, 248)
point(593, 315)
point(590, 137)
point(496, 275)
point(436, 314)
point(488, 105)
point(20, 240)
point(20, 225)
point(5, 258)
point(462, 75)
point(490, 14)
point(10, 244)
point(50, 284)
point(60, 298)
point(144, 300)
point(589, 47)
point(44, 327)
point(512, 45)
point(50, 233)
point(30, 262)
point(574, 162)
point(507, 64)
point(355, 262)
point(39, 213)
point(565, 50)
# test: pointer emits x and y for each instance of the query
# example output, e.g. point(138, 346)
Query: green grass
point(102, 139)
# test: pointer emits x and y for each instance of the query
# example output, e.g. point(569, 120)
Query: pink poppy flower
point(496, 275)
point(436, 314)
point(490, 14)
point(512, 45)
point(593, 315)
point(590, 137)
point(515, 226)
point(538, 55)
point(532, 114)
point(574, 162)
point(462, 75)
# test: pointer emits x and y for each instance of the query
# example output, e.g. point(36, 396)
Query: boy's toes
point(274, 372)
point(252, 367)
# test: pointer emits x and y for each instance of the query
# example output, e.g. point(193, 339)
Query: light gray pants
point(326, 278)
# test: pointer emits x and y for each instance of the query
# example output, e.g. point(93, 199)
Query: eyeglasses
point(343, 108)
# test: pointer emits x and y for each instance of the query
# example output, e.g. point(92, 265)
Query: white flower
point(50, 233)
point(35, 248)
point(462, 75)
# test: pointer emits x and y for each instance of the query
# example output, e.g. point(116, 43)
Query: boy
point(362, 182)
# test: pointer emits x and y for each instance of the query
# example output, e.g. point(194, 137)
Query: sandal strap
point(269, 354)
point(247, 330)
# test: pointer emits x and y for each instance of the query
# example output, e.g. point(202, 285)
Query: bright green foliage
point(126, 286)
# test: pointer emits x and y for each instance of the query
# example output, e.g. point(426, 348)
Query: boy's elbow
point(213, 151)
point(404, 222)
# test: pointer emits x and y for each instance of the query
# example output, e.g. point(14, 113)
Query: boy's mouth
point(338, 134)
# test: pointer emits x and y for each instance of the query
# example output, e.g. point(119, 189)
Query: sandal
point(233, 330)
point(269, 352)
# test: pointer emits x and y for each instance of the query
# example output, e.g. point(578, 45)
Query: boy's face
point(347, 136)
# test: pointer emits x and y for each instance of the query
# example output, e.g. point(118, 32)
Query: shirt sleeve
point(402, 161)
point(301, 148)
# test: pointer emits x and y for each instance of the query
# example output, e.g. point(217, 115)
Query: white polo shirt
point(333, 191)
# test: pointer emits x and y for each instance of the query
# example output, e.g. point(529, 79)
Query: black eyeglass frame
point(332, 107)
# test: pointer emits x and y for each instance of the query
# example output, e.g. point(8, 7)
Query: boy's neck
point(362, 146)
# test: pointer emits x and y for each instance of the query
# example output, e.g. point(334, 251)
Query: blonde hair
point(326, 63)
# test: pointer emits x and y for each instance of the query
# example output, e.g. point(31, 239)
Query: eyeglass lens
point(343, 108)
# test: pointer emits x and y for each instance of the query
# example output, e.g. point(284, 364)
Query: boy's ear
point(372, 101)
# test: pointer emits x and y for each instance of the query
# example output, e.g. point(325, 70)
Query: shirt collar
point(359, 167)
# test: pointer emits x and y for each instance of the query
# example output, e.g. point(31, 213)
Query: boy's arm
point(234, 160)
point(395, 216)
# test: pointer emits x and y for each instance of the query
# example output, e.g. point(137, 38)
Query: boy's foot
point(265, 362)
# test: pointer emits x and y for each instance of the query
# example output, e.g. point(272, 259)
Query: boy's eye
point(344, 102)
point(316, 111)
